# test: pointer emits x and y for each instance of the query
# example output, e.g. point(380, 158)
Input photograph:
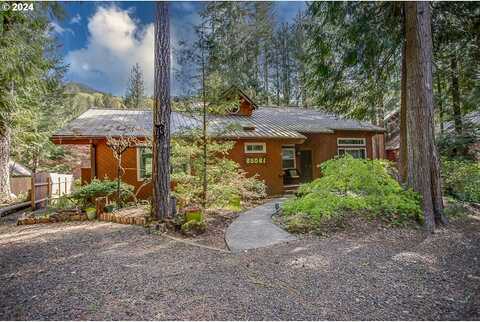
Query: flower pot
point(91, 213)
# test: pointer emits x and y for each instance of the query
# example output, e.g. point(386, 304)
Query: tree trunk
point(440, 101)
point(423, 157)
point(457, 113)
point(403, 164)
point(161, 114)
point(119, 180)
point(5, 138)
point(380, 121)
point(204, 131)
point(265, 74)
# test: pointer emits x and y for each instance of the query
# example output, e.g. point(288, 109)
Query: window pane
point(249, 147)
point(356, 153)
point(288, 154)
point(288, 164)
point(145, 162)
point(351, 141)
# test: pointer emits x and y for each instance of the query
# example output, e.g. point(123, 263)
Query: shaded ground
point(97, 271)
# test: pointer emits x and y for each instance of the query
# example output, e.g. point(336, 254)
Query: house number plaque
point(261, 160)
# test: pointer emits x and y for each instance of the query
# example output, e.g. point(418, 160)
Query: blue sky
point(101, 40)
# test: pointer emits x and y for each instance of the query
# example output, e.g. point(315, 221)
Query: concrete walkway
point(254, 229)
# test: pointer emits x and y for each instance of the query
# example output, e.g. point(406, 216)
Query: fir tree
point(135, 96)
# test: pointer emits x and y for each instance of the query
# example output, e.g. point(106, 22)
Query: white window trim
point(355, 144)
point(353, 148)
point(289, 147)
point(139, 172)
point(263, 144)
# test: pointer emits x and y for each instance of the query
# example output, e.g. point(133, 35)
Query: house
point(20, 178)
point(392, 121)
point(284, 146)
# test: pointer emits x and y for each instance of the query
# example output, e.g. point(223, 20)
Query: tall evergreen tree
point(135, 95)
point(161, 115)
point(27, 73)
point(423, 161)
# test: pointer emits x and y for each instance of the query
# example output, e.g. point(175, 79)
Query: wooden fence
point(47, 187)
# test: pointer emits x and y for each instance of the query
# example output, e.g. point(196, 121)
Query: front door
point(306, 166)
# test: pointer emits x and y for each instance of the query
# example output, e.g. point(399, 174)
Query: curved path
point(254, 229)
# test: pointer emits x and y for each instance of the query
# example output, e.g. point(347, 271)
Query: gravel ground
point(104, 271)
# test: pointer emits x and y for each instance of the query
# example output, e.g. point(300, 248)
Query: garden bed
point(217, 222)
point(56, 216)
point(127, 216)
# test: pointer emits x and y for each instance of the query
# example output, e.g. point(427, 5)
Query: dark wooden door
point(306, 174)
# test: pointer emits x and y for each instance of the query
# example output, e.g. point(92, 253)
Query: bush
point(227, 182)
point(461, 179)
point(350, 185)
point(64, 202)
point(85, 195)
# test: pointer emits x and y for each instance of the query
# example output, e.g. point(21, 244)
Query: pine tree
point(135, 95)
point(28, 72)
point(161, 115)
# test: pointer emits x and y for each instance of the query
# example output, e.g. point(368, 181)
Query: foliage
point(461, 179)
point(244, 42)
point(460, 146)
point(193, 228)
point(63, 202)
point(134, 98)
point(194, 215)
point(357, 186)
point(225, 178)
point(101, 188)
point(352, 57)
point(30, 86)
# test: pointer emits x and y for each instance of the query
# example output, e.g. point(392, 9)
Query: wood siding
point(322, 145)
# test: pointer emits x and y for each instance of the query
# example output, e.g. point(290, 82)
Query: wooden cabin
point(285, 146)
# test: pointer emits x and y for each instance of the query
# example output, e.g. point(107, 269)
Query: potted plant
point(91, 213)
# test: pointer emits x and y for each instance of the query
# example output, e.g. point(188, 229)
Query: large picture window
point(288, 157)
point(358, 153)
point(356, 147)
point(144, 163)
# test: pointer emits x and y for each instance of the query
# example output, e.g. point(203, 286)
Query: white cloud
point(56, 28)
point(116, 42)
point(76, 19)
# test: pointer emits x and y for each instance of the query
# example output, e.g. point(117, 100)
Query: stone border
point(60, 216)
point(119, 219)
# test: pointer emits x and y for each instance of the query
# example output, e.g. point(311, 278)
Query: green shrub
point(461, 179)
point(194, 215)
point(193, 228)
point(228, 184)
point(358, 186)
point(63, 202)
point(101, 188)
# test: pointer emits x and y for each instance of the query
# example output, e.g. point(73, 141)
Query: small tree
point(135, 96)
point(119, 145)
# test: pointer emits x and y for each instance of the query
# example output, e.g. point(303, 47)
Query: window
point(357, 153)
point(288, 157)
point(144, 163)
point(356, 147)
point(255, 148)
point(350, 142)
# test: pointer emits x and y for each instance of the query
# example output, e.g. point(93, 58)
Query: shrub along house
point(284, 146)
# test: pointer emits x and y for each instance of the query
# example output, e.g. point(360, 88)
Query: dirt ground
point(103, 271)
